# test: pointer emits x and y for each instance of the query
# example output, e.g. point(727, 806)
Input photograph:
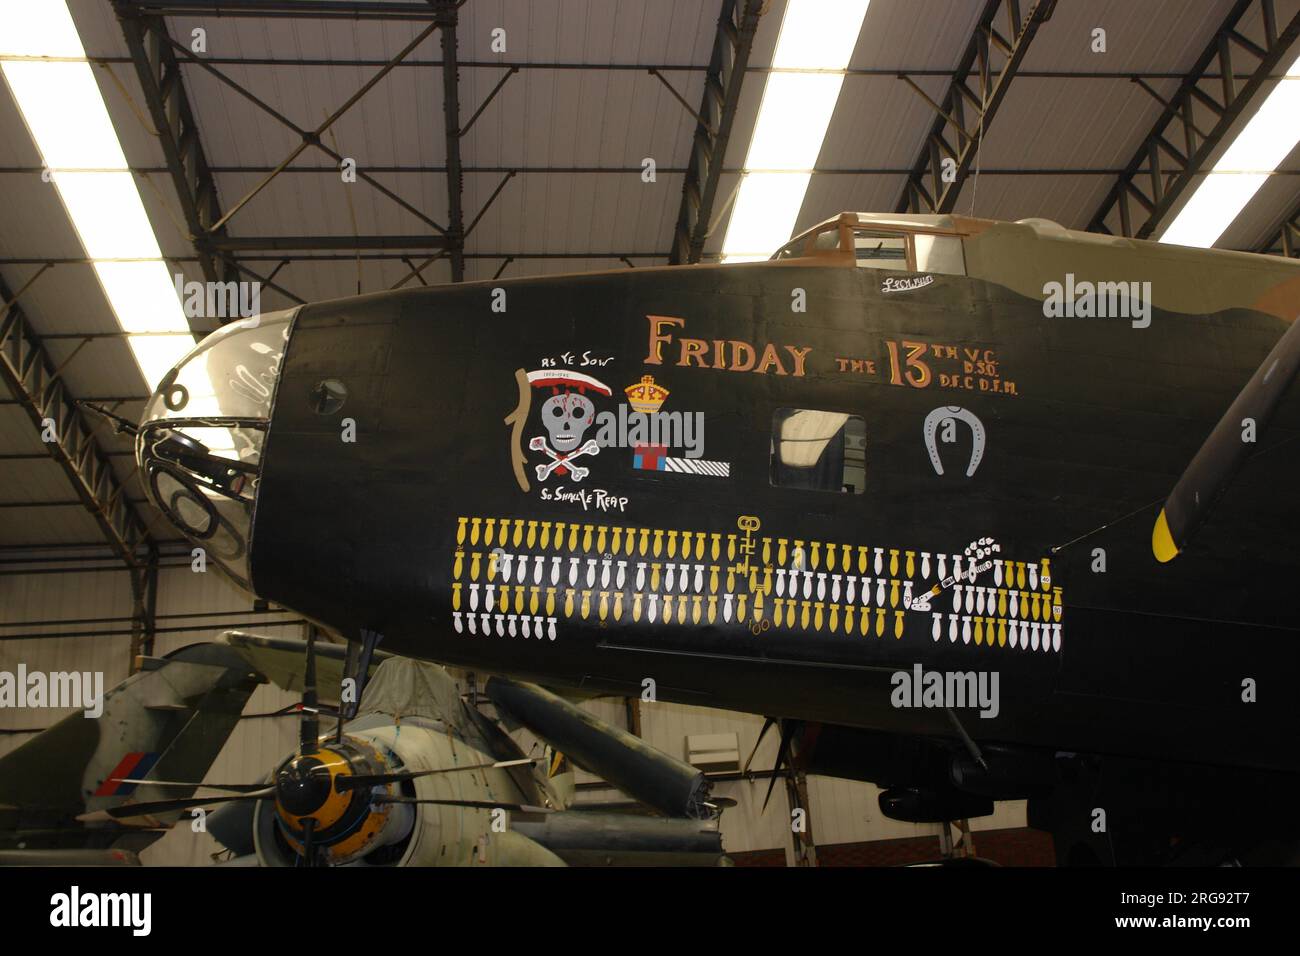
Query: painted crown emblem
point(646, 396)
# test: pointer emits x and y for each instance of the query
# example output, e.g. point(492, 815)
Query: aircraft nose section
point(199, 446)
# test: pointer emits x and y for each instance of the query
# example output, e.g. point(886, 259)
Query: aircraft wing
point(284, 661)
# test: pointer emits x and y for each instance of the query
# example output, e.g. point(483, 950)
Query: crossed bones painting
point(566, 415)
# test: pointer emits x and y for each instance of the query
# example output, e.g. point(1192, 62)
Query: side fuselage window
point(879, 250)
point(818, 450)
point(942, 254)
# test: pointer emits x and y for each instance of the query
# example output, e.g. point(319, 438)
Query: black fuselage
point(1088, 422)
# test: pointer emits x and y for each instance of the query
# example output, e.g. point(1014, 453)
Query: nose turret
point(199, 446)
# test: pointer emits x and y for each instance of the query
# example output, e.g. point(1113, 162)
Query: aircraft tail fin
point(167, 722)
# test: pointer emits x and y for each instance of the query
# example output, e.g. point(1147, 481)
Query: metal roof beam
point(312, 138)
point(352, 257)
point(413, 63)
point(446, 19)
point(737, 24)
point(290, 9)
point(330, 242)
point(308, 137)
point(948, 151)
point(433, 169)
point(160, 78)
point(1159, 174)
point(33, 379)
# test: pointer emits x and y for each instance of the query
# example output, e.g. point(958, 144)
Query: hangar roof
point(554, 134)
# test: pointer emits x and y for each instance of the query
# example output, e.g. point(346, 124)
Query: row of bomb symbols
point(1017, 604)
point(803, 573)
point(488, 566)
point(809, 574)
point(506, 624)
point(814, 615)
point(1024, 575)
point(490, 599)
point(823, 586)
point(517, 533)
point(797, 555)
point(792, 554)
point(1027, 635)
point(673, 577)
point(615, 572)
point(696, 583)
point(693, 591)
point(477, 613)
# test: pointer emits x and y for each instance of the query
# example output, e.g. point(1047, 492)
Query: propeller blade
point(782, 757)
point(309, 724)
point(308, 843)
point(232, 787)
point(474, 804)
point(767, 724)
point(360, 780)
point(154, 807)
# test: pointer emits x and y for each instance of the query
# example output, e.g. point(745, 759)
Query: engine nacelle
point(357, 827)
point(347, 825)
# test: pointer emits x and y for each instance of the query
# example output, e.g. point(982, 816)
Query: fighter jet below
point(170, 719)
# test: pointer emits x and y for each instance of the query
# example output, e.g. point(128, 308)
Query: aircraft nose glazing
point(200, 441)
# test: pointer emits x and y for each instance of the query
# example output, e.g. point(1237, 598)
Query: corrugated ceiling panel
point(17, 434)
point(1151, 36)
point(22, 526)
point(33, 479)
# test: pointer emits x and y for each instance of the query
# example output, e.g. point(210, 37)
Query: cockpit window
point(791, 250)
point(199, 445)
point(879, 250)
point(828, 240)
point(825, 241)
point(230, 374)
point(818, 450)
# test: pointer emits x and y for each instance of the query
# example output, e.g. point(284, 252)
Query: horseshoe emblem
point(960, 414)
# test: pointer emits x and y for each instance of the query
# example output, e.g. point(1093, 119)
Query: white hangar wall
point(93, 603)
point(839, 811)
